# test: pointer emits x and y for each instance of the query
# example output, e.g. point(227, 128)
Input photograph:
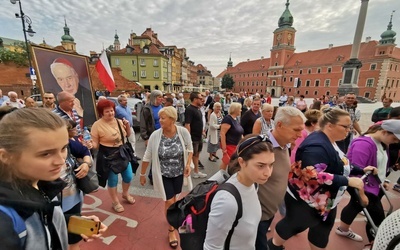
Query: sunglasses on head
point(250, 142)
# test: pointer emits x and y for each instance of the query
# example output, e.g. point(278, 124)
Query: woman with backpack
point(33, 150)
point(253, 158)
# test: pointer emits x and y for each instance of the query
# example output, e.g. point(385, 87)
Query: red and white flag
point(105, 73)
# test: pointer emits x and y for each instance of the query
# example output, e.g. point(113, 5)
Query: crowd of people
point(297, 158)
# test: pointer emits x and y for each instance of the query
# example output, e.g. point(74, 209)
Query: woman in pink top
point(301, 104)
point(311, 125)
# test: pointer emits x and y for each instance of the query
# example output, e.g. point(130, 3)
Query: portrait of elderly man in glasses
point(69, 81)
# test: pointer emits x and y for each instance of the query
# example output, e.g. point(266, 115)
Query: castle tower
point(117, 44)
point(284, 37)
point(67, 41)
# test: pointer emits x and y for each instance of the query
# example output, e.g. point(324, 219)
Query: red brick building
point(319, 71)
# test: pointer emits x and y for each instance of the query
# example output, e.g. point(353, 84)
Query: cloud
point(208, 29)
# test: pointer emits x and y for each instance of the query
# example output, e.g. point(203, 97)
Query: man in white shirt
point(14, 101)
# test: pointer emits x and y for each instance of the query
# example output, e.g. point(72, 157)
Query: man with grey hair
point(13, 101)
point(65, 109)
point(289, 122)
point(123, 111)
point(149, 119)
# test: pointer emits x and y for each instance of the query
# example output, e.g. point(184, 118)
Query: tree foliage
point(227, 82)
point(18, 55)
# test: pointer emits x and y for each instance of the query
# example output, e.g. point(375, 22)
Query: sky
point(209, 29)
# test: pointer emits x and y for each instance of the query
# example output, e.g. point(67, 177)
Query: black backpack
point(197, 204)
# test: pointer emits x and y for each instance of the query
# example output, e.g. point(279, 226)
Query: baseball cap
point(392, 126)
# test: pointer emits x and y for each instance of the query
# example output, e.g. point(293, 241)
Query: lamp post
point(26, 19)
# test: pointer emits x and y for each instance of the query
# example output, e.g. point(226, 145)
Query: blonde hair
point(267, 106)
point(217, 104)
point(170, 112)
point(14, 131)
point(235, 106)
point(331, 115)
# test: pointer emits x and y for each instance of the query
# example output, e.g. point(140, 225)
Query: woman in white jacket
point(213, 132)
point(170, 151)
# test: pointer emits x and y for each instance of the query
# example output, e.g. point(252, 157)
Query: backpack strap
point(233, 190)
point(393, 243)
point(18, 222)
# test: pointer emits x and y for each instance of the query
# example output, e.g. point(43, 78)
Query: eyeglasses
point(344, 126)
point(48, 97)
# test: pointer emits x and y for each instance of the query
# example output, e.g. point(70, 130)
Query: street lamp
point(26, 19)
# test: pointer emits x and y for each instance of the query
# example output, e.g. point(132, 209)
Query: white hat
point(392, 126)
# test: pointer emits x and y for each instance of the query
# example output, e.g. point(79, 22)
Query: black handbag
point(90, 182)
point(128, 151)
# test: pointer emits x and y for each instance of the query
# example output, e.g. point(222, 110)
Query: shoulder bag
point(127, 151)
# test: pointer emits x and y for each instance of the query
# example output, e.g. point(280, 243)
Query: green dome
point(388, 34)
point(286, 18)
point(66, 37)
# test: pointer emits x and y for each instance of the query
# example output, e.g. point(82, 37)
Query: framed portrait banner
point(60, 71)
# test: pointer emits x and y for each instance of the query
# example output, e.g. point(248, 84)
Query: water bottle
point(86, 134)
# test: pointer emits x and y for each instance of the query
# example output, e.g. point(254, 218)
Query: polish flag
point(105, 74)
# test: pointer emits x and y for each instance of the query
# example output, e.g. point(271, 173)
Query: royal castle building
point(319, 71)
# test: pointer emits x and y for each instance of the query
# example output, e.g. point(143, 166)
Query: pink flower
point(308, 173)
point(296, 182)
point(319, 200)
point(312, 185)
point(325, 178)
point(304, 194)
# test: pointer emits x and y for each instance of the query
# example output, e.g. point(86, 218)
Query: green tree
point(18, 56)
point(227, 82)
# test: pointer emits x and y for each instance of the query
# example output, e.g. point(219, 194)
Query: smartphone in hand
point(79, 225)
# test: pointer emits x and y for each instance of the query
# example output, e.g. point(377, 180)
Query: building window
point(274, 73)
point(146, 50)
point(165, 64)
point(273, 83)
point(156, 75)
point(329, 70)
point(308, 82)
point(373, 66)
point(306, 93)
point(142, 62)
point(370, 83)
point(315, 93)
point(134, 73)
point(301, 72)
point(291, 72)
point(328, 93)
point(290, 90)
point(117, 61)
point(340, 82)
point(319, 70)
point(284, 79)
point(366, 94)
point(327, 82)
point(309, 71)
point(133, 62)
point(316, 83)
point(155, 62)
point(143, 73)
